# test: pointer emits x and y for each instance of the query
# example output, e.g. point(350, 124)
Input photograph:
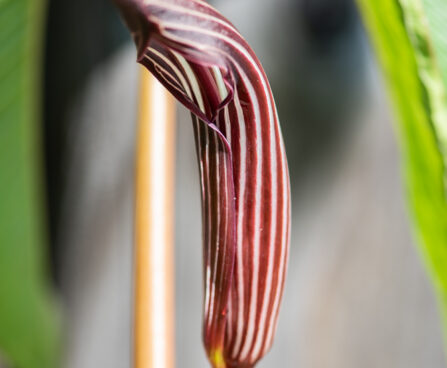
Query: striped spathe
point(205, 63)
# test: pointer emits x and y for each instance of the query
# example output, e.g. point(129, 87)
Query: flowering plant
point(201, 58)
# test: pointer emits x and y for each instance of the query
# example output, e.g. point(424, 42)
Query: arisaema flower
point(201, 58)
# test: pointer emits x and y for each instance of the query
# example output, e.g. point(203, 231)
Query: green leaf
point(29, 319)
point(402, 36)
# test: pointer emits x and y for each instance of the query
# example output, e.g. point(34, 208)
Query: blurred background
point(356, 295)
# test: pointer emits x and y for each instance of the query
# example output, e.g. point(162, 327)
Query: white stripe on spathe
point(285, 240)
point(273, 214)
point(240, 228)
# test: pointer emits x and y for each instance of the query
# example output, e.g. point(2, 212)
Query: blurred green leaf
point(29, 319)
point(436, 11)
point(415, 66)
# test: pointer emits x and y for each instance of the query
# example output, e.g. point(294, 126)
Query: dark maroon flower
point(205, 63)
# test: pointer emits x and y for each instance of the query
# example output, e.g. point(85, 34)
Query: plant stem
point(154, 271)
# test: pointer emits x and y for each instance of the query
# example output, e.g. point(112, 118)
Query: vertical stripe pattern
point(205, 63)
